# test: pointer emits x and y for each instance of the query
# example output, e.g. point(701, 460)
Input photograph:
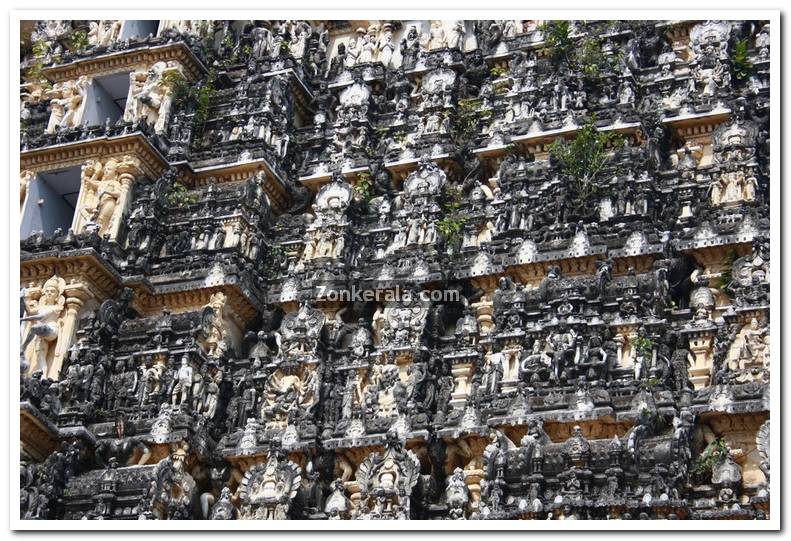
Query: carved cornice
point(274, 186)
point(125, 61)
point(152, 163)
point(87, 271)
point(38, 436)
point(149, 302)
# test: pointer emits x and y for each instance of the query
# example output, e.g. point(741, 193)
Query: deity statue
point(183, 385)
point(103, 190)
point(67, 102)
point(436, 39)
point(44, 331)
point(457, 494)
point(103, 33)
point(755, 349)
point(150, 95)
point(214, 325)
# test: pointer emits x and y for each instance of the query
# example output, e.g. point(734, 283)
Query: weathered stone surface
point(450, 270)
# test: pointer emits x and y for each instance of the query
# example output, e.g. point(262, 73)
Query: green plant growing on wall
point(557, 35)
point(178, 85)
point(381, 131)
point(583, 158)
point(589, 58)
point(715, 452)
point(78, 41)
point(272, 258)
point(203, 97)
point(179, 196)
point(742, 67)
point(498, 71)
point(467, 120)
point(364, 186)
point(452, 224)
point(35, 69)
point(726, 276)
point(643, 345)
point(584, 55)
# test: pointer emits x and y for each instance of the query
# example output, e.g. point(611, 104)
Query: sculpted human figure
point(410, 47)
point(216, 333)
point(563, 342)
point(67, 103)
point(183, 386)
point(74, 93)
point(456, 39)
point(45, 315)
point(436, 37)
point(103, 33)
point(210, 397)
point(102, 181)
point(386, 46)
point(362, 341)
point(150, 96)
point(368, 48)
point(261, 39)
point(25, 177)
point(755, 349)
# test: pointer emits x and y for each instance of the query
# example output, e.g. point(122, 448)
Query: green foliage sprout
point(557, 35)
point(498, 71)
point(585, 56)
point(584, 157)
point(452, 224)
point(643, 344)
point(742, 67)
point(78, 41)
point(726, 276)
point(716, 452)
point(467, 120)
point(179, 196)
point(364, 186)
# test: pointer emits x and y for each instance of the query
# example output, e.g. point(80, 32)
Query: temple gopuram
point(379, 269)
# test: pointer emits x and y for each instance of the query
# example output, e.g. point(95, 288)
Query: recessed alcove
point(138, 29)
point(51, 200)
point(106, 99)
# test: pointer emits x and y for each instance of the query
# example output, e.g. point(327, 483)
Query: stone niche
point(52, 307)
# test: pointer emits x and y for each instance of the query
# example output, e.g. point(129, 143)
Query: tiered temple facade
point(378, 269)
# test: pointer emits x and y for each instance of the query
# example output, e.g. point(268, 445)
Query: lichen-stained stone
point(446, 270)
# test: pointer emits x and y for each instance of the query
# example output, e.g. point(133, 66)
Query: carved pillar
point(483, 311)
point(700, 344)
point(473, 480)
point(25, 177)
point(128, 170)
point(66, 324)
point(461, 374)
point(73, 306)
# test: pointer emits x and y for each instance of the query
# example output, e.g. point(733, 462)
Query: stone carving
point(45, 329)
point(386, 481)
point(150, 95)
point(215, 326)
point(104, 33)
point(67, 102)
point(105, 188)
point(24, 183)
point(368, 284)
point(267, 489)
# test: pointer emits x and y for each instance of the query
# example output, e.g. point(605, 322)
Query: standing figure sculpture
point(45, 315)
point(150, 96)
